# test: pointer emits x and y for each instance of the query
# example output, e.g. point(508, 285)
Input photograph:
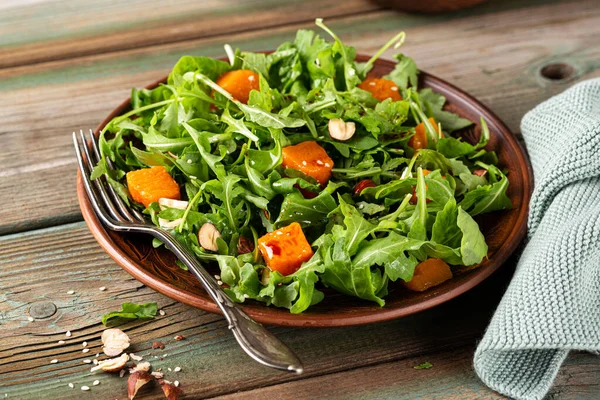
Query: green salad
point(296, 171)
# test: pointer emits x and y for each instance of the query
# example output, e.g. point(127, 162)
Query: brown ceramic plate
point(503, 231)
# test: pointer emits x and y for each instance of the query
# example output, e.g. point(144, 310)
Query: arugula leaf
point(404, 72)
point(425, 365)
point(307, 212)
point(472, 245)
point(132, 311)
point(355, 280)
point(392, 253)
point(450, 122)
point(487, 198)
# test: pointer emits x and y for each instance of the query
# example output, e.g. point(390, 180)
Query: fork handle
point(253, 338)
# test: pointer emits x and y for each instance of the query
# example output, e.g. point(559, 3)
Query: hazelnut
point(157, 374)
point(480, 172)
point(171, 391)
point(164, 202)
point(158, 345)
point(113, 364)
point(114, 341)
point(136, 380)
point(340, 130)
point(208, 237)
point(143, 366)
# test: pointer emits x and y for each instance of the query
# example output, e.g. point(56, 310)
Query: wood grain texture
point(58, 260)
point(450, 378)
point(495, 57)
point(373, 361)
point(91, 27)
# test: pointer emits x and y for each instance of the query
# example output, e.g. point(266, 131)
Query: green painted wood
point(60, 29)
point(496, 56)
point(47, 264)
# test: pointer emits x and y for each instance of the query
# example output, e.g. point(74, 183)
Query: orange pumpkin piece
point(310, 159)
point(429, 273)
point(147, 185)
point(239, 83)
point(381, 89)
point(419, 140)
point(285, 249)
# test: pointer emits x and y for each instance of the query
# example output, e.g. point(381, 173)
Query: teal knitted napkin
point(552, 305)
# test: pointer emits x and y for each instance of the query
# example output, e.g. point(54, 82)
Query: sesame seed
point(54, 361)
point(102, 288)
point(95, 361)
point(86, 361)
point(84, 344)
point(193, 177)
point(97, 354)
point(71, 385)
point(219, 283)
point(71, 292)
point(135, 358)
point(85, 350)
point(189, 161)
point(177, 369)
point(96, 383)
point(61, 342)
point(30, 319)
point(122, 373)
point(251, 78)
point(217, 276)
point(85, 388)
point(246, 296)
point(176, 383)
point(161, 312)
point(68, 333)
point(169, 369)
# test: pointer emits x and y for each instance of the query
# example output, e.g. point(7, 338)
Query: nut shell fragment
point(171, 391)
point(136, 380)
point(113, 364)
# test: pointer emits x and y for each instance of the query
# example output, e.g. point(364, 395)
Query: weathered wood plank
point(494, 56)
point(451, 377)
point(90, 27)
point(44, 265)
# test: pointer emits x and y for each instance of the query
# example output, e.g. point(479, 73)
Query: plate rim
point(474, 278)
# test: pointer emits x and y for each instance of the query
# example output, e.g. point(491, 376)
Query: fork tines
point(107, 204)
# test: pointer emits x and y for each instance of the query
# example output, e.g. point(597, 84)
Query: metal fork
point(255, 340)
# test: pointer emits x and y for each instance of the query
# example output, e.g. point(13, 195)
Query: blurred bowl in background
point(427, 6)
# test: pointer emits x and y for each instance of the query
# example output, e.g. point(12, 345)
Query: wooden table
point(64, 65)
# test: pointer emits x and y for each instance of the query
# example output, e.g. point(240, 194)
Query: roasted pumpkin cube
point(419, 140)
point(285, 249)
point(429, 273)
point(239, 83)
point(310, 159)
point(381, 88)
point(147, 185)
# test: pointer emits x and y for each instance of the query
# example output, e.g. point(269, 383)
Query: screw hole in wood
point(557, 71)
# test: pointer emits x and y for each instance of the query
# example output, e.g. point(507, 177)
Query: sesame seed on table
point(63, 68)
